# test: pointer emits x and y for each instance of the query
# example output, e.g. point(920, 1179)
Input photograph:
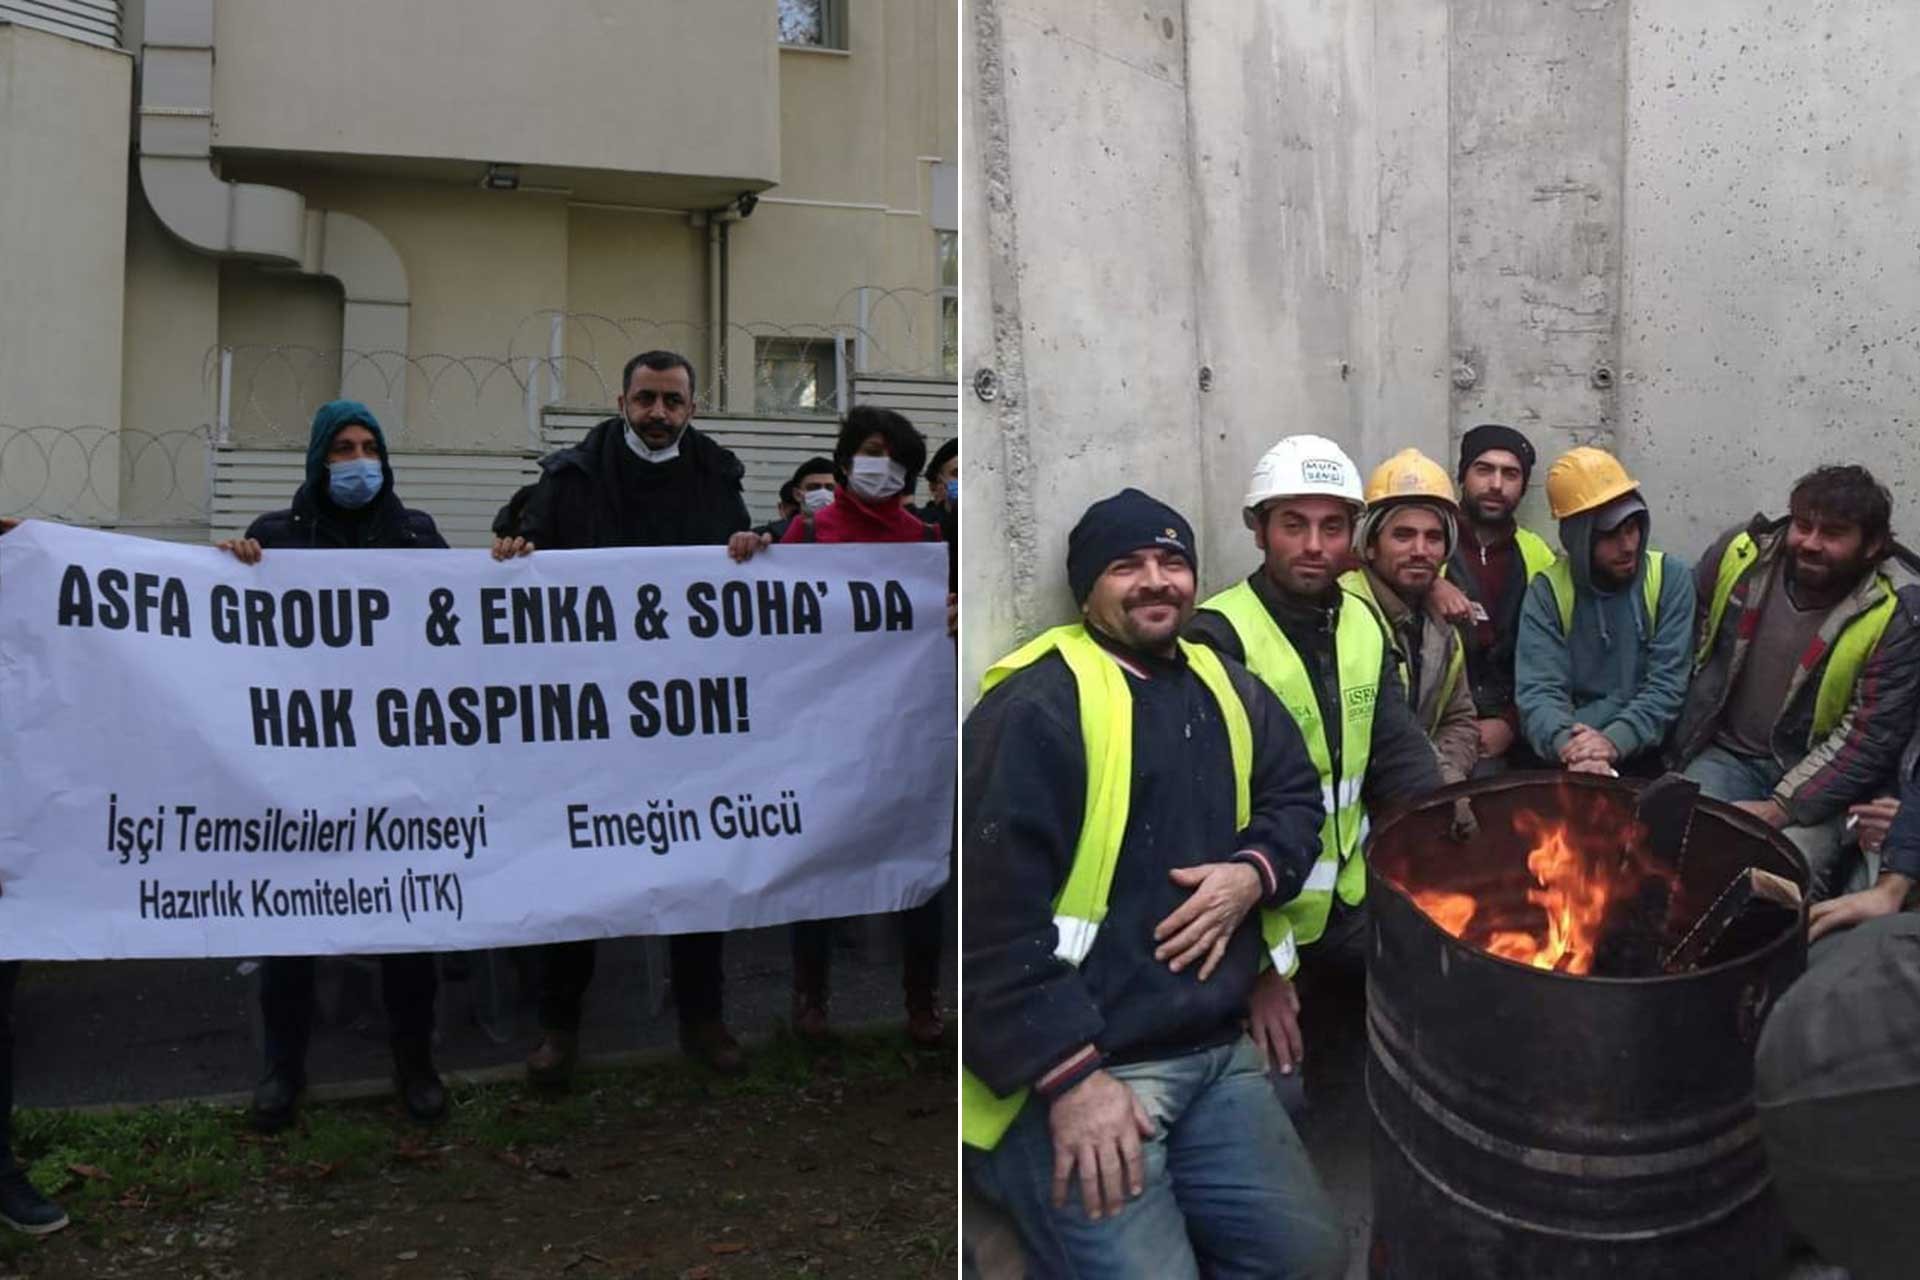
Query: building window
point(796, 375)
point(949, 302)
point(814, 24)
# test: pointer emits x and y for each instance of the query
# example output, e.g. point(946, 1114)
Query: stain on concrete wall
point(1686, 232)
point(1771, 321)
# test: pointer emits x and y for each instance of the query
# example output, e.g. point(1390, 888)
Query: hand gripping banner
point(362, 751)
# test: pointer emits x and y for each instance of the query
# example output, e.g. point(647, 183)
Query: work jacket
point(1847, 712)
point(318, 523)
point(1334, 669)
point(1616, 660)
point(1443, 703)
point(1490, 666)
point(1092, 771)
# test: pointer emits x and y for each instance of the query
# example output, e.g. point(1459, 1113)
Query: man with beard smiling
point(1492, 562)
point(1130, 798)
point(1405, 539)
point(1600, 668)
point(1325, 652)
point(1806, 664)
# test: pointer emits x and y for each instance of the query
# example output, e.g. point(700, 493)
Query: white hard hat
point(1304, 467)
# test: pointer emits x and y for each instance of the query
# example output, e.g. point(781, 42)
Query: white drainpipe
point(269, 225)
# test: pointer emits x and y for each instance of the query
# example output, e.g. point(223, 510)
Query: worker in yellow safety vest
point(1405, 539)
point(1493, 560)
point(1806, 663)
point(1130, 800)
point(1324, 650)
point(1600, 668)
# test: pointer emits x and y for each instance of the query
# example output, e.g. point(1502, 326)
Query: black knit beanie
point(1492, 435)
point(1115, 526)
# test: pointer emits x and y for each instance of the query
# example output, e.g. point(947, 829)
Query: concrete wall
point(63, 220)
point(1687, 237)
point(1771, 312)
point(656, 87)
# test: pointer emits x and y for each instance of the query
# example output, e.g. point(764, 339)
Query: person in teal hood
point(347, 502)
point(1601, 664)
point(348, 498)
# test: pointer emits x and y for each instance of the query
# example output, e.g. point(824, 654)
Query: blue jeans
point(1229, 1189)
point(1837, 867)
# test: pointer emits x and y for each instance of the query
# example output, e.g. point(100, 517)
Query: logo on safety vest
point(1361, 698)
point(1322, 471)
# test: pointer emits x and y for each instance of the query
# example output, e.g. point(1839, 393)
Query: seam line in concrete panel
point(1018, 518)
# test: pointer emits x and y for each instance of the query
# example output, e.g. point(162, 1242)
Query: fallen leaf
point(726, 1246)
point(91, 1172)
point(509, 1158)
point(698, 1273)
point(408, 1256)
point(827, 1220)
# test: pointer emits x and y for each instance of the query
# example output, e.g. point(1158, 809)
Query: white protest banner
point(359, 751)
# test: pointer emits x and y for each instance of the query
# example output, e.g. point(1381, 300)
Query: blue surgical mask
point(353, 484)
point(953, 492)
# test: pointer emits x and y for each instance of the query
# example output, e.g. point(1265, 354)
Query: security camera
point(746, 204)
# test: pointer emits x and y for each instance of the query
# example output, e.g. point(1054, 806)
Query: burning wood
point(1600, 894)
point(1749, 905)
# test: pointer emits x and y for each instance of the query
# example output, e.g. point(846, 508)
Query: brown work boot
point(925, 1027)
point(551, 1065)
point(710, 1042)
point(810, 1016)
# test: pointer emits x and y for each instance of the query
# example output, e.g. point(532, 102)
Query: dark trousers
point(693, 970)
point(922, 930)
point(9, 975)
point(408, 981)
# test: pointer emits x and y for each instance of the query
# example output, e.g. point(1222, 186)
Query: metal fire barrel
point(1533, 1124)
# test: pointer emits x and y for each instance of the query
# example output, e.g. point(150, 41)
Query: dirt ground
point(836, 1164)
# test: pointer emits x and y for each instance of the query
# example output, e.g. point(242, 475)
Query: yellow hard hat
point(1584, 479)
point(1410, 474)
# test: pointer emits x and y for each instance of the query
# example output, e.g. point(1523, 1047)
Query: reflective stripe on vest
point(1560, 578)
point(1851, 650)
point(1456, 653)
point(1106, 732)
point(1360, 646)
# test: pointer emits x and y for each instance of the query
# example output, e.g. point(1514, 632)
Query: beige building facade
point(467, 213)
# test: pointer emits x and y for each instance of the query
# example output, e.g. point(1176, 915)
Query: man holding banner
point(643, 478)
point(347, 502)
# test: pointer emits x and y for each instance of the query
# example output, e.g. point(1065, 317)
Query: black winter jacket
point(598, 494)
point(1025, 785)
point(318, 523)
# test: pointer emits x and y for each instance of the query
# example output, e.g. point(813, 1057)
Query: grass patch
point(173, 1157)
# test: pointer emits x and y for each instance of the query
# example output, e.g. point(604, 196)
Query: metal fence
point(262, 394)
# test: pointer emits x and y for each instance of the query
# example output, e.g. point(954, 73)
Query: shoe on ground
point(810, 1017)
point(23, 1208)
point(551, 1065)
point(421, 1092)
point(711, 1043)
point(275, 1100)
point(925, 1027)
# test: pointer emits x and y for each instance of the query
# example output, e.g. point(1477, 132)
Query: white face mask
point(640, 450)
point(876, 478)
point(816, 499)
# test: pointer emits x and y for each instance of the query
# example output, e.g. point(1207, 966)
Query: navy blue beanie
point(328, 420)
point(1117, 526)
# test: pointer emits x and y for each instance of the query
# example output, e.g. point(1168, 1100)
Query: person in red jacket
point(876, 452)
